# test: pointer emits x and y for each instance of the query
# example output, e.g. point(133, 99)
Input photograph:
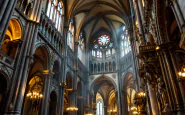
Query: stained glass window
point(103, 46)
point(113, 51)
point(108, 53)
point(103, 40)
point(125, 43)
point(100, 54)
point(99, 108)
point(93, 53)
point(70, 37)
point(81, 47)
point(55, 13)
point(95, 46)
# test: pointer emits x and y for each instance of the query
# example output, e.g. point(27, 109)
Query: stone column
point(176, 16)
point(124, 102)
point(62, 91)
point(75, 75)
point(172, 81)
point(105, 110)
point(140, 4)
point(46, 93)
point(90, 101)
point(6, 10)
point(153, 100)
point(179, 12)
point(165, 78)
point(138, 17)
point(181, 85)
point(19, 80)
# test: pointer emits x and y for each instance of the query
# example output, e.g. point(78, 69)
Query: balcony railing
point(50, 33)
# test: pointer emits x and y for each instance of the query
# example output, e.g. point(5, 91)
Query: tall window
point(81, 48)
point(125, 42)
point(70, 36)
point(99, 108)
point(55, 13)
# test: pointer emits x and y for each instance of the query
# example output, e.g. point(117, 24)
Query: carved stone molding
point(182, 41)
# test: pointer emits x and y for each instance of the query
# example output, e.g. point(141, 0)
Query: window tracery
point(103, 45)
point(55, 13)
point(125, 42)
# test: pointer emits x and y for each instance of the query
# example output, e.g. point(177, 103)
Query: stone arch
point(126, 77)
point(10, 44)
point(69, 88)
point(128, 91)
point(45, 51)
point(14, 30)
point(104, 76)
point(34, 85)
point(69, 79)
point(56, 70)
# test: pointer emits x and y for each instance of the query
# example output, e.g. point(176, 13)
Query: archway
point(35, 84)
point(56, 68)
point(10, 44)
point(53, 103)
point(33, 96)
point(128, 92)
point(103, 87)
point(67, 93)
point(3, 88)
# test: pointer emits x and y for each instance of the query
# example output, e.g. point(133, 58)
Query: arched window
point(125, 42)
point(99, 108)
point(70, 36)
point(55, 13)
point(81, 48)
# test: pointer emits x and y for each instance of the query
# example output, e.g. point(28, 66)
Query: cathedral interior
point(92, 57)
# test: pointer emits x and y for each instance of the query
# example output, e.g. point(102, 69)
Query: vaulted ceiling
point(96, 17)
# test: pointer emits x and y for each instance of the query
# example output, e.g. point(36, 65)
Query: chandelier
point(113, 111)
point(72, 109)
point(140, 101)
point(34, 95)
point(134, 110)
point(182, 73)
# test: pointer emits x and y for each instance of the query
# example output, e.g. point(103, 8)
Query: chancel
point(92, 57)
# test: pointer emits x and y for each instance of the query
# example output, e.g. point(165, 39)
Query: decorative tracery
point(103, 40)
point(55, 13)
point(103, 45)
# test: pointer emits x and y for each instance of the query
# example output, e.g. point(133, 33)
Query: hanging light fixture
point(182, 73)
point(72, 109)
point(134, 110)
point(34, 95)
